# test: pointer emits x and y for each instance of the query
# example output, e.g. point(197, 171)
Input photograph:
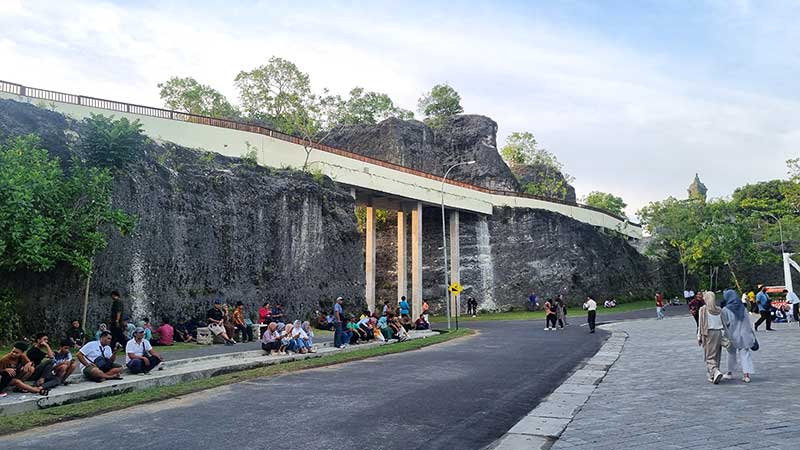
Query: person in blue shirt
point(404, 308)
point(764, 307)
point(338, 318)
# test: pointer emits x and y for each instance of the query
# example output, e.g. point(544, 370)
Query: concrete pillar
point(455, 258)
point(370, 258)
point(416, 261)
point(402, 256)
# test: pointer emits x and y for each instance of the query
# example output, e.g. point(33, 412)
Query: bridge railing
point(111, 105)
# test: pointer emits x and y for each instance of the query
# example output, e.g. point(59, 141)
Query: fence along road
point(276, 149)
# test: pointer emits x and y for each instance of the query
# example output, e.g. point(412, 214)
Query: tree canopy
point(440, 103)
point(186, 94)
point(48, 216)
point(539, 171)
point(609, 202)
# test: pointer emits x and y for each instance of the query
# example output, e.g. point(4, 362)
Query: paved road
point(671, 405)
point(463, 394)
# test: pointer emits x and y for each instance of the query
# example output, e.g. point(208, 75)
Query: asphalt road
point(457, 395)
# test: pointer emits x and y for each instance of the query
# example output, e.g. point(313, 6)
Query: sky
point(633, 97)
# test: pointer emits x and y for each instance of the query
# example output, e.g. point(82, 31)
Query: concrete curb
point(179, 371)
point(545, 423)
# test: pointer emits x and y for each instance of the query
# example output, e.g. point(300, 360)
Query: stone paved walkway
point(656, 396)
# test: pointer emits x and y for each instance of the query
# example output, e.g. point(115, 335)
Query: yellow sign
point(455, 288)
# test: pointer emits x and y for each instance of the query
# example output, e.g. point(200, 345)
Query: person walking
point(533, 301)
point(695, 305)
point(764, 307)
point(739, 332)
point(338, 319)
point(659, 306)
point(561, 312)
point(550, 315)
point(591, 312)
point(709, 335)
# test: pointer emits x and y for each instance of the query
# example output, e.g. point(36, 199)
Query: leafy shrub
point(111, 143)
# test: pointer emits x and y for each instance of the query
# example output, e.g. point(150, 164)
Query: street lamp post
point(444, 241)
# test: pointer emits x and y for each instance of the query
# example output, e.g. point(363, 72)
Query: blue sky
point(634, 97)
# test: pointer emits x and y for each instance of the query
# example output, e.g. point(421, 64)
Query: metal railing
point(111, 105)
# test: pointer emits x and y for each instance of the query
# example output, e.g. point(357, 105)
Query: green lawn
point(539, 315)
point(90, 408)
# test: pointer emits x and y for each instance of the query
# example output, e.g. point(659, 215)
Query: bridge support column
point(370, 258)
point(416, 260)
point(455, 259)
point(402, 257)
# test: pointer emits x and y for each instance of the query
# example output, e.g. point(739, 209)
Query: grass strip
point(38, 418)
point(539, 315)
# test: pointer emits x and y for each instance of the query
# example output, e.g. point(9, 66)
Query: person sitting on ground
point(127, 328)
point(240, 324)
point(166, 333)
point(264, 314)
point(386, 308)
point(215, 318)
point(270, 340)
point(300, 337)
point(100, 329)
point(356, 333)
point(148, 333)
point(182, 333)
point(425, 309)
point(306, 326)
point(610, 303)
point(63, 363)
point(325, 322)
point(383, 325)
point(41, 355)
point(15, 368)
point(277, 313)
point(365, 326)
point(421, 323)
point(406, 321)
point(376, 330)
point(97, 360)
point(780, 315)
point(397, 327)
point(139, 354)
point(289, 344)
point(75, 334)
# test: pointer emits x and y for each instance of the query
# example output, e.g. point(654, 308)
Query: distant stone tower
point(697, 189)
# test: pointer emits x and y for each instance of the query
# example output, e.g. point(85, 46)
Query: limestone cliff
point(208, 226)
point(413, 144)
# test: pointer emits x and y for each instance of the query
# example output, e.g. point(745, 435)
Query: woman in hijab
point(709, 335)
point(740, 333)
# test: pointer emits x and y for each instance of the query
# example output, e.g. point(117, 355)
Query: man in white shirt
point(591, 307)
point(139, 354)
point(99, 370)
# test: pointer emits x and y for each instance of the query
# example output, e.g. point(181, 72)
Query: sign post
point(455, 290)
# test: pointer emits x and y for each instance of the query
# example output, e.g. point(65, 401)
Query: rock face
point(413, 144)
point(517, 251)
point(529, 173)
point(208, 227)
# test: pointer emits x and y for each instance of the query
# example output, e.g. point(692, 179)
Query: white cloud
point(621, 120)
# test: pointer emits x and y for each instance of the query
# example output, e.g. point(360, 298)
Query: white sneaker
point(727, 376)
point(717, 377)
point(546, 328)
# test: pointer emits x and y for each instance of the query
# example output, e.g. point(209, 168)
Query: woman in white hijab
point(739, 332)
point(709, 335)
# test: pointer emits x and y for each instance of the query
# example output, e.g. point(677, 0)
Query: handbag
point(103, 363)
point(755, 346)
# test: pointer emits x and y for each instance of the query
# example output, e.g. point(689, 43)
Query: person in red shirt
point(659, 306)
point(264, 313)
point(165, 333)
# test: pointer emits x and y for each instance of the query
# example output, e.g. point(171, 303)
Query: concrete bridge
point(373, 183)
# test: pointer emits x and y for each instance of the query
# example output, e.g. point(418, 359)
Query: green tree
point(439, 104)
point(186, 94)
point(279, 93)
point(111, 143)
point(48, 217)
point(791, 191)
point(544, 172)
point(609, 202)
point(367, 108)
